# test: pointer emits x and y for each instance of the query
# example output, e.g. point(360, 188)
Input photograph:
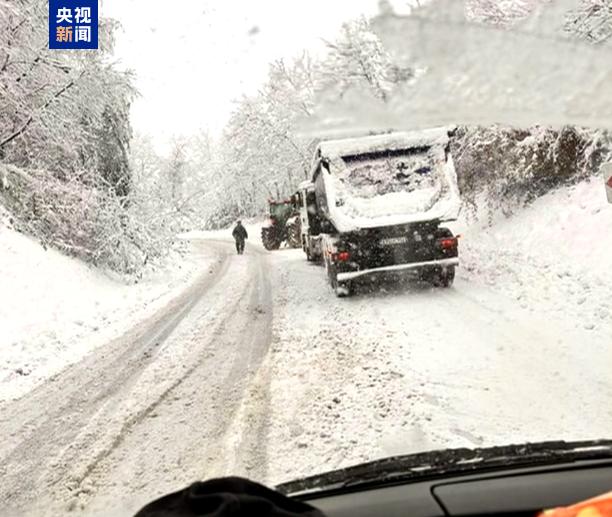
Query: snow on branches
point(64, 125)
point(264, 154)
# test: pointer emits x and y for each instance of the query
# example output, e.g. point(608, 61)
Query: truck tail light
point(341, 256)
point(448, 243)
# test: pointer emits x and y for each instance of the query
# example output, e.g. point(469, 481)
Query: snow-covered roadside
point(410, 368)
point(55, 309)
point(554, 256)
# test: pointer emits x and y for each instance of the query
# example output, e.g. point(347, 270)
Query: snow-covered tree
point(499, 12)
point(591, 21)
point(359, 60)
point(176, 172)
point(64, 139)
point(262, 154)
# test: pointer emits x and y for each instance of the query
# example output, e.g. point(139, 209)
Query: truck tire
point(306, 248)
point(293, 234)
point(310, 257)
point(444, 277)
point(342, 289)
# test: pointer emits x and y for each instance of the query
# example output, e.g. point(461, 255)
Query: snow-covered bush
point(506, 168)
point(91, 223)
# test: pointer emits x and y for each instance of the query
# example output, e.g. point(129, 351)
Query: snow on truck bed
point(395, 178)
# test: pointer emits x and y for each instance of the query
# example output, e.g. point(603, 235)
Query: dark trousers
point(240, 246)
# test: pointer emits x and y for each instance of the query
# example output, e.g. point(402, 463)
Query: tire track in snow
point(226, 428)
point(40, 454)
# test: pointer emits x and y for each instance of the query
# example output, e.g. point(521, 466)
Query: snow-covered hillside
point(553, 256)
point(55, 309)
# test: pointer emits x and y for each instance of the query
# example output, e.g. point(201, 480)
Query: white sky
point(194, 57)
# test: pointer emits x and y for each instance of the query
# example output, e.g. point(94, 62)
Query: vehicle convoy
point(376, 205)
point(282, 226)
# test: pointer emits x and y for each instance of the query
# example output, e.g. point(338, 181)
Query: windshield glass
point(281, 211)
point(444, 282)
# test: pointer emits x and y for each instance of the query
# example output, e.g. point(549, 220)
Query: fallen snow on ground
point(55, 309)
point(553, 257)
point(518, 350)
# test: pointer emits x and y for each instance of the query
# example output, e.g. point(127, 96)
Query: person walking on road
point(240, 235)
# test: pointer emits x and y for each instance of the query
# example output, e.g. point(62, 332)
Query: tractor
point(283, 225)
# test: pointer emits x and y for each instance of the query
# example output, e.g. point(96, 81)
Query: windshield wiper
point(434, 463)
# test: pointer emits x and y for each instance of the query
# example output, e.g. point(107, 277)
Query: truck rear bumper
point(343, 277)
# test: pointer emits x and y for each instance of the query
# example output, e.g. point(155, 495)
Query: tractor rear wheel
point(269, 239)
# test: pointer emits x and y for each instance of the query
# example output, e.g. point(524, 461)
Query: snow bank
point(55, 309)
point(555, 255)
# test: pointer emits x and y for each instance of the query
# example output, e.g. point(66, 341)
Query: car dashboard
point(514, 491)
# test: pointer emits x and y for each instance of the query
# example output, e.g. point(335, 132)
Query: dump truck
point(377, 205)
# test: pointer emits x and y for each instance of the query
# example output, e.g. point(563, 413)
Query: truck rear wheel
point(444, 277)
point(342, 289)
point(309, 256)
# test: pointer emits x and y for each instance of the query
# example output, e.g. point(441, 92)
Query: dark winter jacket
point(240, 233)
point(227, 497)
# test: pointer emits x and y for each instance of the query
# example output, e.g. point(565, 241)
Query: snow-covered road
point(257, 369)
point(155, 408)
point(410, 368)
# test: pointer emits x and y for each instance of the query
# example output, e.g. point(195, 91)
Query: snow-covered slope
point(555, 255)
point(54, 309)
